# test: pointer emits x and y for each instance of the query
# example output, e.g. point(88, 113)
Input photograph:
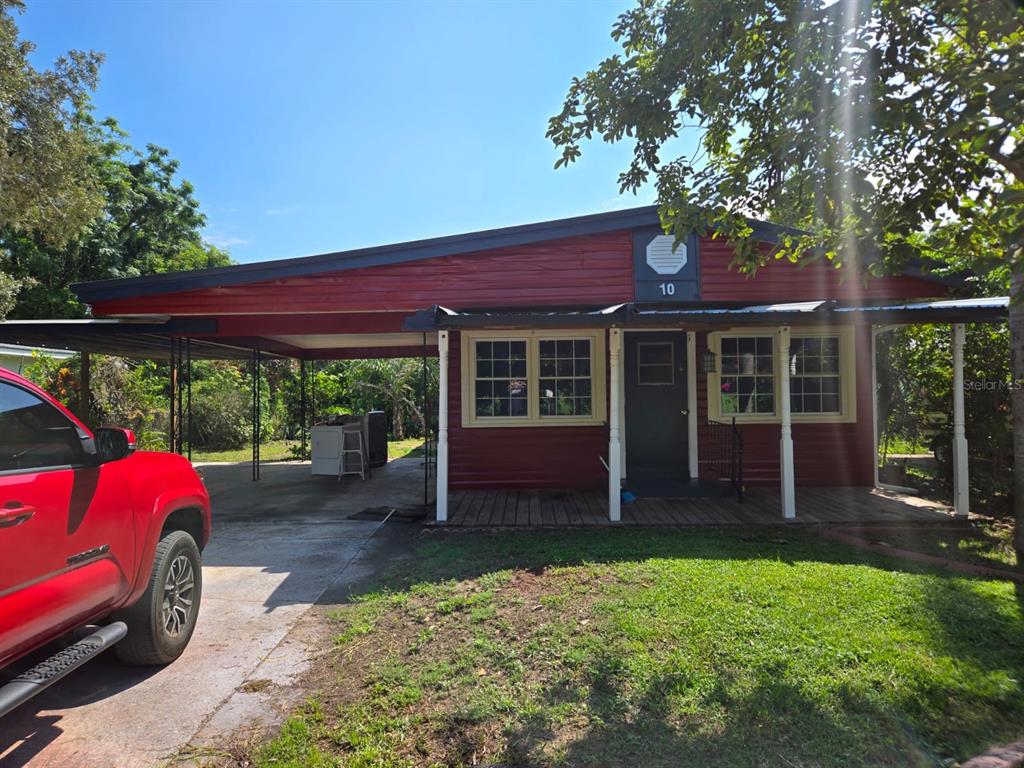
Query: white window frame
point(847, 376)
point(533, 338)
point(821, 375)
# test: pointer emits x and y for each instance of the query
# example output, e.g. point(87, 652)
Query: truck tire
point(161, 623)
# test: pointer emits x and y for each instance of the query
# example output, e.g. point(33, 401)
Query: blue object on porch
point(628, 496)
point(668, 488)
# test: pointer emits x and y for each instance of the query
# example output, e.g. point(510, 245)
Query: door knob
point(684, 412)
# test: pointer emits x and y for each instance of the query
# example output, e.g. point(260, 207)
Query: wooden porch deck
point(814, 506)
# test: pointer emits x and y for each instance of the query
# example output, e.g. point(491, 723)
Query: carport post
point(256, 414)
point(179, 445)
point(441, 497)
point(302, 404)
point(188, 391)
point(426, 426)
point(172, 425)
point(961, 486)
point(85, 389)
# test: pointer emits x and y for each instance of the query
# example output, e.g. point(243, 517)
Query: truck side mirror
point(114, 444)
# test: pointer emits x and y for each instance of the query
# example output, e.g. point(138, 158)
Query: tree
point(150, 223)
point(882, 130)
point(394, 386)
point(46, 179)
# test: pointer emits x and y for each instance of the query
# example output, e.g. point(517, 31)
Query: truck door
point(49, 489)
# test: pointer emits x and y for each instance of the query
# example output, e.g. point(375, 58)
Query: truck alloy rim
point(178, 595)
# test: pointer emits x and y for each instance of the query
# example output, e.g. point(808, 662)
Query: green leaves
point(863, 124)
point(150, 223)
point(47, 183)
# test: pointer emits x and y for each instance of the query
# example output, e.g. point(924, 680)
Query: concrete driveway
point(277, 545)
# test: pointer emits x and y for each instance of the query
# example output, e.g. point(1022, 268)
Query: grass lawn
point(275, 450)
point(988, 544)
point(411, 446)
point(903, 445)
point(628, 648)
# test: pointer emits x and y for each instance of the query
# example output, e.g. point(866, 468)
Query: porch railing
point(721, 447)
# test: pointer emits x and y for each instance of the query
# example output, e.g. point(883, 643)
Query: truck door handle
point(15, 513)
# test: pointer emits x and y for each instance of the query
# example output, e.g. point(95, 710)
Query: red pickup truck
point(91, 532)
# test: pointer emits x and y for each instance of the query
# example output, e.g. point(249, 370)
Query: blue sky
point(313, 127)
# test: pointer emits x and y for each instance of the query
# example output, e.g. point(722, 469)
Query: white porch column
point(691, 402)
point(442, 428)
point(614, 455)
point(788, 486)
point(961, 489)
point(875, 330)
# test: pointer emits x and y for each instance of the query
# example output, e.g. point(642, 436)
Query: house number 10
point(667, 289)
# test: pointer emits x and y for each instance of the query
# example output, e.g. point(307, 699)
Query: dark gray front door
point(655, 394)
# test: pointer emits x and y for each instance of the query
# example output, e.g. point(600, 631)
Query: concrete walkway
point(277, 546)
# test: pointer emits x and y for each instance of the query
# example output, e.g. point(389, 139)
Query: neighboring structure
point(17, 358)
point(587, 352)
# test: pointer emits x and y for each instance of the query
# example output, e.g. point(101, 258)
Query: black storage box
point(376, 439)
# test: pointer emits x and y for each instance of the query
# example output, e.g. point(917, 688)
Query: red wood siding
point(784, 281)
point(593, 269)
point(519, 457)
point(823, 454)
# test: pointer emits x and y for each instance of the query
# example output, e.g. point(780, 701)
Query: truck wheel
point(160, 624)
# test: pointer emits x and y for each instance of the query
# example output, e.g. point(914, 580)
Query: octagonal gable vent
point(662, 259)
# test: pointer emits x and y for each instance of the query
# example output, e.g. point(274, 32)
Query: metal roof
point(149, 339)
point(821, 312)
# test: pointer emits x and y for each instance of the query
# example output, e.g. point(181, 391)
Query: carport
point(180, 340)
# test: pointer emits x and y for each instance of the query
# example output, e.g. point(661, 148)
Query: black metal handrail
point(721, 450)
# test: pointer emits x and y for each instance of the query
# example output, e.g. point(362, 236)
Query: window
point(34, 434)
point(501, 388)
point(565, 383)
point(815, 377)
point(747, 383)
point(821, 366)
point(533, 378)
point(655, 363)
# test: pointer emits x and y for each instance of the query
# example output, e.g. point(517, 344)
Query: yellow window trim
point(847, 375)
point(532, 338)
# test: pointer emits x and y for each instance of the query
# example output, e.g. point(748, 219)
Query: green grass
point(278, 450)
point(399, 449)
point(984, 543)
point(905, 445)
point(275, 450)
point(629, 648)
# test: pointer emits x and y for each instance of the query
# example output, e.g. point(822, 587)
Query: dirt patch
point(374, 659)
point(256, 686)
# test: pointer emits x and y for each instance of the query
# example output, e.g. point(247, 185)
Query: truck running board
point(46, 673)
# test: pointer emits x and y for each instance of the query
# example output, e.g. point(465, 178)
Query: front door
point(655, 379)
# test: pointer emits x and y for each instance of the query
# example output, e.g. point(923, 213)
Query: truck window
point(34, 434)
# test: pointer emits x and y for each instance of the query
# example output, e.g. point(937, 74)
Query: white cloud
point(221, 240)
point(620, 202)
point(284, 210)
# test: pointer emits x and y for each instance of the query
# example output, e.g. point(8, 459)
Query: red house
point(587, 353)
